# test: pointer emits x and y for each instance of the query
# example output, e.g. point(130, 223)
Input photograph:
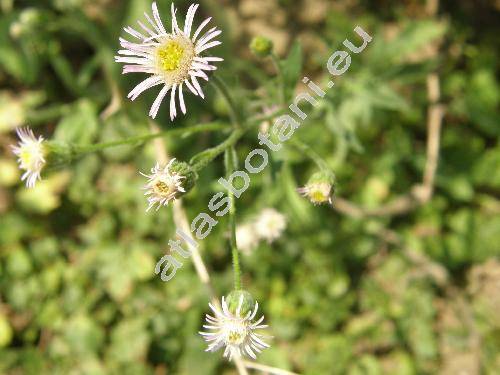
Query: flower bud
point(261, 46)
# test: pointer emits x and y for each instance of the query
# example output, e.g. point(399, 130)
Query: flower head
point(319, 188)
point(317, 192)
point(246, 238)
point(261, 46)
point(163, 185)
point(30, 155)
point(270, 224)
point(234, 327)
point(171, 58)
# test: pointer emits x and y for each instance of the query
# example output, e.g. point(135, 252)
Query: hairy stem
point(230, 164)
point(281, 78)
point(310, 153)
point(212, 126)
point(201, 160)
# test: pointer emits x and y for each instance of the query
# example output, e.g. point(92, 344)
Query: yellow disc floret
point(26, 157)
point(30, 155)
point(162, 188)
point(174, 58)
point(318, 196)
point(236, 331)
point(170, 55)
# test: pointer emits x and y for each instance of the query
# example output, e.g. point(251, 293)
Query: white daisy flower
point(235, 330)
point(246, 239)
point(317, 192)
point(172, 58)
point(163, 185)
point(30, 155)
point(270, 224)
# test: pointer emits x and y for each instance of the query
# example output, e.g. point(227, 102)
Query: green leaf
point(80, 126)
point(291, 68)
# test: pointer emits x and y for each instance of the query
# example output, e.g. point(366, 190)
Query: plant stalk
point(230, 161)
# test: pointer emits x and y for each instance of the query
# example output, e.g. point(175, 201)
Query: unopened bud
point(261, 46)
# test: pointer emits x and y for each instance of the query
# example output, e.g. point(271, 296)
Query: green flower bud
point(261, 46)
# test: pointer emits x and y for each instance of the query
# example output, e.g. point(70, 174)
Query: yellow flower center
point(26, 157)
point(174, 58)
point(236, 332)
point(31, 156)
point(317, 196)
point(235, 337)
point(170, 55)
point(162, 188)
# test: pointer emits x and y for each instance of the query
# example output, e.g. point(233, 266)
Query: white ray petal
point(207, 46)
point(181, 100)
point(143, 86)
point(189, 19)
point(173, 109)
point(198, 30)
point(156, 105)
point(157, 18)
point(175, 26)
point(197, 86)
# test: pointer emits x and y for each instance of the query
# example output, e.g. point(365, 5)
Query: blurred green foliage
point(77, 253)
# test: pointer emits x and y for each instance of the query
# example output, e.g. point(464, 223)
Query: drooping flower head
point(319, 188)
point(317, 193)
point(30, 155)
point(270, 224)
point(234, 327)
point(163, 185)
point(171, 58)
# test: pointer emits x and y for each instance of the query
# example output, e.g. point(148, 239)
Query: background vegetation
point(351, 289)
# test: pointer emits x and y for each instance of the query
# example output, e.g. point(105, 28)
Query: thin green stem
point(259, 119)
point(310, 153)
point(230, 161)
point(201, 160)
point(281, 78)
point(224, 91)
point(211, 126)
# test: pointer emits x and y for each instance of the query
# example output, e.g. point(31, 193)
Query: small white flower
point(163, 185)
point(246, 238)
point(270, 224)
point(30, 155)
point(173, 59)
point(317, 192)
point(234, 331)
